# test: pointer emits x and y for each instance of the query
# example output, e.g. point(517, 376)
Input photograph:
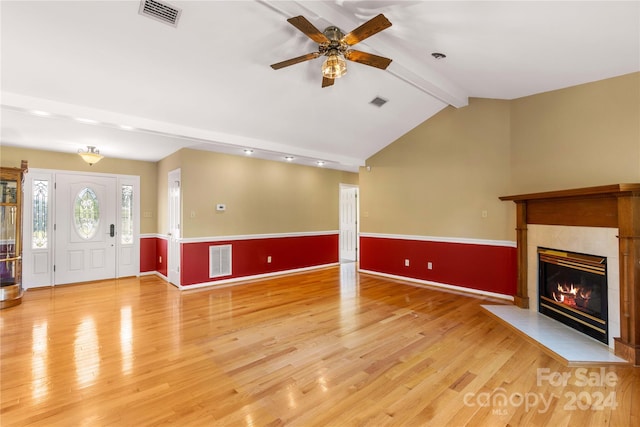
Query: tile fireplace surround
point(598, 220)
point(598, 241)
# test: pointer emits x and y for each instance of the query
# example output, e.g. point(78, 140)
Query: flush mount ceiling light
point(91, 156)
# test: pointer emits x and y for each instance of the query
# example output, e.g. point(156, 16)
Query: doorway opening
point(349, 226)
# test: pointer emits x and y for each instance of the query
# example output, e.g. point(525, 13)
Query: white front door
point(173, 245)
point(85, 228)
point(348, 222)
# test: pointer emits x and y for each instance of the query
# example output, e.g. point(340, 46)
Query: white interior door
point(348, 223)
point(174, 235)
point(85, 228)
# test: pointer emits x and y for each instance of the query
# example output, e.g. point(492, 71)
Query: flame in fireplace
point(572, 295)
point(558, 297)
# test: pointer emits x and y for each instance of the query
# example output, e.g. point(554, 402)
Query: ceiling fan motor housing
point(335, 35)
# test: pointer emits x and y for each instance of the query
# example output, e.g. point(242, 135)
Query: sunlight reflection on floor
point(348, 285)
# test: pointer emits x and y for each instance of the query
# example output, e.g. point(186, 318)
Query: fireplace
point(573, 290)
point(608, 207)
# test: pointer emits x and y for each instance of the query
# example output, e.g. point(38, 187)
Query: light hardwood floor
point(323, 348)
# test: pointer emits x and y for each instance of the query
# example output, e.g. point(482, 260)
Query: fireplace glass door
point(573, 290)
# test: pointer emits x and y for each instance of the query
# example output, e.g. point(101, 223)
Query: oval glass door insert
point(86, 213)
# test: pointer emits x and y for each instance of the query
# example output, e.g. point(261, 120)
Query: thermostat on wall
point(221, 207)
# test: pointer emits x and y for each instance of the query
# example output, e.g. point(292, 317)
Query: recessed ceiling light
point(320, 163)
point(248, 152)
point(40, 113)
point(289, 158)
point(87, 121)
point(438, 55)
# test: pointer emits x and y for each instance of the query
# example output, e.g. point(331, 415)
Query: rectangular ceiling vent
point(219, 261)
point(160, 11)
point(378, 102)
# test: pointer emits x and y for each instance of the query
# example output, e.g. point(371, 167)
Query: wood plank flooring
point(325, 348)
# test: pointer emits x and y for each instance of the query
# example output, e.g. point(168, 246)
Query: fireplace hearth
point(573, 290)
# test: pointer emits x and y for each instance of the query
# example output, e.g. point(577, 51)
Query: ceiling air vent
point(160, 11)
point(378, 102)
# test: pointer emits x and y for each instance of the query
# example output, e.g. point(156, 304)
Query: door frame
point(174, 221)
point(38, 264)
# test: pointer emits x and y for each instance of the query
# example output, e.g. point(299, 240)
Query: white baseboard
point(426, 283)
point(236, 280)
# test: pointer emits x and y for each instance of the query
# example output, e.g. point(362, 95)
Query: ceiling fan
point(335, 45)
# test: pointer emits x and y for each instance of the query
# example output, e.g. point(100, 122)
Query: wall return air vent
point(160, 11)
point(219, 261)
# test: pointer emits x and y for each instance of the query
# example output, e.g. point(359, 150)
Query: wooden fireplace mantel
point(614, 206)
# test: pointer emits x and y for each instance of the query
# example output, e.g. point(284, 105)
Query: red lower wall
point(148, 257)
point(249, 257)
point(153, 255)
point(162, 256)
point(482, 267)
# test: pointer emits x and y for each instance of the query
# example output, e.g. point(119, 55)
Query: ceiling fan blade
point(327, 81)
point(301, 23)
point(297, 60)
point(368, 59)
point(369, 28)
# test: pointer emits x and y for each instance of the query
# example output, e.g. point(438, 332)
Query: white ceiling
point(207, 84)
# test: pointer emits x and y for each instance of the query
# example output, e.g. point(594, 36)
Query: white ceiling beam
point(140, 124)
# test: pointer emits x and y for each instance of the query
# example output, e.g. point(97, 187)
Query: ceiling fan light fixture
point(335, 45)
point(334, 66)
point(91, 156)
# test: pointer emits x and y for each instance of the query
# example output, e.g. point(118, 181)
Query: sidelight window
point(126, 214)
point(40, 214)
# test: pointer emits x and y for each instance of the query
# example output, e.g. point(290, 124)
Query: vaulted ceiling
point(79, 73)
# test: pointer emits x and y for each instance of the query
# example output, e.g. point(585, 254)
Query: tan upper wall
point(261, 196)
point(12, 156)
point(436, 179)
point(439, 178)
point(581, 136)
